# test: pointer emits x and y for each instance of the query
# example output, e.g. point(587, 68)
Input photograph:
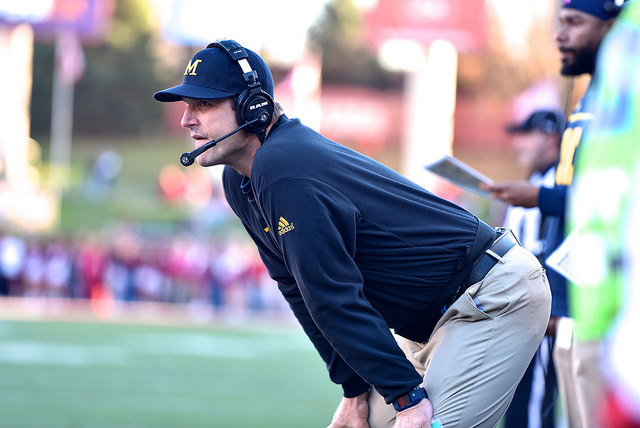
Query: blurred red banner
point(462, 22)
point(88, 19)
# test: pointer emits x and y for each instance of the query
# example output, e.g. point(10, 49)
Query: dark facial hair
point(584, 61)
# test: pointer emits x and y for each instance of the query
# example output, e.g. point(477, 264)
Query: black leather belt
point(503, 243)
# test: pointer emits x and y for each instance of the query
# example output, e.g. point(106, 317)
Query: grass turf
point(112, 375)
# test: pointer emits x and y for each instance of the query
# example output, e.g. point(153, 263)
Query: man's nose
point(188, 118)
point(560, 34)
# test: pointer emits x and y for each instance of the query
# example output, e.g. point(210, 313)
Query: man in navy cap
point(582, 24)
point(417, 307)
point(536, 141)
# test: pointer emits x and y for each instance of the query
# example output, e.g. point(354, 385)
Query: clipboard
point(460, 174)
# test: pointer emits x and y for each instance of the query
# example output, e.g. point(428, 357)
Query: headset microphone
point(187, 158)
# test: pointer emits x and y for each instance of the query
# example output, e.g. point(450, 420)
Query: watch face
point(404, 400)
point(412, 398)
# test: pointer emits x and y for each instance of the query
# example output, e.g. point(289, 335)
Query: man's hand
point(418, 416)
point(516, 193)
point(552, 327)
point(352, 412)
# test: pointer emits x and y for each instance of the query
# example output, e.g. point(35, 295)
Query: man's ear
point(607, 25)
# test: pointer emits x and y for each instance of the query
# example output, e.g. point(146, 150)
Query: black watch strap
point(409, 399)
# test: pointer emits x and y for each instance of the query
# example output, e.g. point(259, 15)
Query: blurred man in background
point(582, 25)
point(537, 144)
point(605, 227)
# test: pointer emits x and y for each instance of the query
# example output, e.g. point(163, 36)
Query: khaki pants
point(580, 382)
point(481, 347)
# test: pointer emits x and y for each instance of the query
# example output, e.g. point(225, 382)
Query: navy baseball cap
point(549, 121)
point(213, 74)
point(602, 9)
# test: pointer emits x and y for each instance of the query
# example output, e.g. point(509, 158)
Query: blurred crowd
point(120, 265)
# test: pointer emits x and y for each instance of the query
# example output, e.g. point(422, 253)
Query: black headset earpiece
point(253, 104)
point(552, 123)
point(613, 7)
point(548, 125)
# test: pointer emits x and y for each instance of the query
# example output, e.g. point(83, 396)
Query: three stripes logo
point(284, 226)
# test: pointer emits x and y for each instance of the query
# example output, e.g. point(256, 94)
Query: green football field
point(91, 375)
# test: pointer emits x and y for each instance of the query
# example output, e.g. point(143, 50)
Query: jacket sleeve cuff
point(355, 387)
point(551, 200)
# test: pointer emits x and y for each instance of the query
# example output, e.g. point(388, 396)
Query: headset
point(252, 103)
point(613, 7)
point(552, 123)
point(254, 106)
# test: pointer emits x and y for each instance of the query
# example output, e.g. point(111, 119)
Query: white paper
point(460, 174)
point(564, 333)
point(563, 259)
point(580, 258)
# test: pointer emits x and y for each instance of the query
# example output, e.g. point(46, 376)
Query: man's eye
point(203, 104)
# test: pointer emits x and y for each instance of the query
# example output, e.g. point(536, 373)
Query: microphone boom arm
point(187, 158)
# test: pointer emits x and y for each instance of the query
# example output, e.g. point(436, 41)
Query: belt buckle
point(501, 231)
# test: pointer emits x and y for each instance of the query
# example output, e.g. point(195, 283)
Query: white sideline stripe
point(30, 352)
point(140, 313)
point(132, 346)
point(20, 352)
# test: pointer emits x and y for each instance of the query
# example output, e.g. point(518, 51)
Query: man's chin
point(570, 71)
point(577, 68)
point(204, 161)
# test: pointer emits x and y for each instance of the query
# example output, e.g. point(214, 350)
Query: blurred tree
point(345, 57)
point(114, 96)
point(43, 60)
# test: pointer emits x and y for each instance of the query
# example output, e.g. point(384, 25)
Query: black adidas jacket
point(355, 248)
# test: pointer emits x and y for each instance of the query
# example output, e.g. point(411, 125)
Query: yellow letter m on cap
point(191, 68)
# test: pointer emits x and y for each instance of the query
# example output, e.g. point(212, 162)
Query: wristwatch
point(409, 399)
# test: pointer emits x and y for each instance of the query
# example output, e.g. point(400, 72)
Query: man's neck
point(244, 163)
